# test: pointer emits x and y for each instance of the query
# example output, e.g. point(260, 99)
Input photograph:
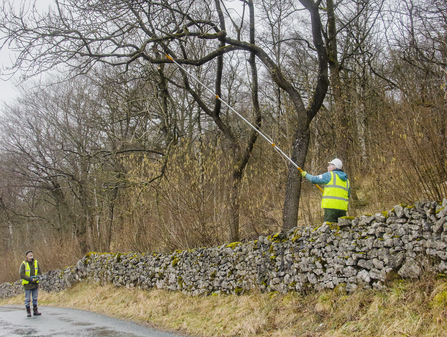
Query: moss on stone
point(233, 245)
point(334, 227)
point(296, 238)
point(276, 238)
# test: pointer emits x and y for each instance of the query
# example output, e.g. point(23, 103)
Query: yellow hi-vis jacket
point(28, 272)
point(336, 193)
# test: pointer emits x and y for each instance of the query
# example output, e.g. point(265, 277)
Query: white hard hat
point(337, 163)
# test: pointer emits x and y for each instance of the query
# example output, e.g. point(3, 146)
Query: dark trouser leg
point(332, 215)
point(27, 298)
point(35, 293)
point(27, 302)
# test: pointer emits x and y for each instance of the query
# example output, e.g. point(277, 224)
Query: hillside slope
point(405, 308)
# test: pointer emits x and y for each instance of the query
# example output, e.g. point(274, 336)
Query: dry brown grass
point(51, 256)
point(406, 308)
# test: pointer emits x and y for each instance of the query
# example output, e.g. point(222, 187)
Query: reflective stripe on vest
point(28, 271)
point(336, 193)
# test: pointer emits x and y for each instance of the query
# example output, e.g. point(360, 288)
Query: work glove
point(303, 173)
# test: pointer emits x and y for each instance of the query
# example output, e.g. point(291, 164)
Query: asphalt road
point(68, 322)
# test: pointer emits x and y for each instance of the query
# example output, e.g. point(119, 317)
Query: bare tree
point(349, 29)
point(417, 69)
point(128, 33)
point(47, 146)
point(137, 119)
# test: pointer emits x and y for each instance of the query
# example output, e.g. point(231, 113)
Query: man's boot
point(35, 312)
point(28, 311)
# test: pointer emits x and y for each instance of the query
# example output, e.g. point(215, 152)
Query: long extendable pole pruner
point(242, 117)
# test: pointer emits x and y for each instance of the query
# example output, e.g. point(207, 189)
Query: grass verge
point(405, 308)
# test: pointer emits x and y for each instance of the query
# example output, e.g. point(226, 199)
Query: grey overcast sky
point(8, 89)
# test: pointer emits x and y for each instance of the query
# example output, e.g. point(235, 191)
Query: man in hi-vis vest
point(29, 273)
point(336, 192)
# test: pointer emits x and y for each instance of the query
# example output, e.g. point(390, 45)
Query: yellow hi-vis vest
point(336, 193)
point(28, 271)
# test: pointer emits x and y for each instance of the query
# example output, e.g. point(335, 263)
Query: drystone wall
point(355, 252)
point(52, 281)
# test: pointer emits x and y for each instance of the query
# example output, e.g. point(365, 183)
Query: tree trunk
point(341, 121)
point(293, 187)
point(111, 215)
point(81, 235)
point(305, 116)
point(340, 98)
point(235, 208)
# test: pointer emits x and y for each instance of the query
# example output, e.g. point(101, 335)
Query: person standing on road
point(336, 192)
point(29, 271)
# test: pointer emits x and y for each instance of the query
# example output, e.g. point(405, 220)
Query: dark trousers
point(332, 215)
